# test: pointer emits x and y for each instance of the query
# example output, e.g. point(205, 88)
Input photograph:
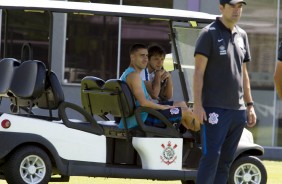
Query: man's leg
point(173, 115)
point(213, 134)
point(230, 145)
point(187, 116)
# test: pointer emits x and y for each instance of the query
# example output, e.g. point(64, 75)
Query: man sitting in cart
point(158, 81)
point(176, 115)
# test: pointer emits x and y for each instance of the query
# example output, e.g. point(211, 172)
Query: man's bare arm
point(200, 67)
point(154, 87)
point(246, 83)
point(278, 79)
point(149, 87)
point(252, 118)
point(167, 92)
point(135, 84)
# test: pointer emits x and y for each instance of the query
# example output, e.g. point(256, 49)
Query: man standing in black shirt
point(222, 96)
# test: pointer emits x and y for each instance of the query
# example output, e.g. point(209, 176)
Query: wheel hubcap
point(32, 169)
point(247, 173)
point(247, 177)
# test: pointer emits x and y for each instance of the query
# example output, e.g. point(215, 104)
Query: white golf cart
point(40, 149)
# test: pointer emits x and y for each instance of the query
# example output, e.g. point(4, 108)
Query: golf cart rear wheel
point(28, 165)
point(247, 169)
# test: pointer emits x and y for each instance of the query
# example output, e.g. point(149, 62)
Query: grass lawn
point(273, 170)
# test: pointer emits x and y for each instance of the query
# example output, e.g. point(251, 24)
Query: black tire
point(247, 169)
point(27, 165)
point(188, 182)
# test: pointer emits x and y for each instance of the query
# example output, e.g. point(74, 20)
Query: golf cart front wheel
point(247, 169)
point(28, 165)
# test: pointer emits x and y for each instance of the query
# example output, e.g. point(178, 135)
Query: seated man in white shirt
point(158, 81)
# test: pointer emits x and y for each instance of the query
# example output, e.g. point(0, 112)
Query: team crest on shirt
point(213, 118)
point(222, 50)
point(174, 111)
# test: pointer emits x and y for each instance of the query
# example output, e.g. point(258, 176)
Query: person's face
point(231, 13)
point(140, 58)
point(156, 62)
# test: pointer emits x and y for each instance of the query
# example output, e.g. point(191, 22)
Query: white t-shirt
point(146, 76)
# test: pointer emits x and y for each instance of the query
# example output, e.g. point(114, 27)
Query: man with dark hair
point(221, 90)
point(176, 115)
point(158, 81)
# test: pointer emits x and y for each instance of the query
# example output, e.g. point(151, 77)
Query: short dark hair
point(136, 47)
point(155, 50)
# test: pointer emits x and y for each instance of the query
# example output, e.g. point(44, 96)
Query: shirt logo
point(174, 111)
point(220, 40)
point(222, 50)
point(213, 118)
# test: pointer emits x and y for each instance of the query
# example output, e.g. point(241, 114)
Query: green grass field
point(273, 170)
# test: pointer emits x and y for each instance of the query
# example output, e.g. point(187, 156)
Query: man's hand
point(163, 74)
point(199, 114)
point(252, 117)
point(164, 107)
point(193, 125)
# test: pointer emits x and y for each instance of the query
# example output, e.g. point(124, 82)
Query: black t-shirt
point(226, 52)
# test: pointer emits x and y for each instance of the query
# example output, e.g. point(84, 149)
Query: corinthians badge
point(168, 155)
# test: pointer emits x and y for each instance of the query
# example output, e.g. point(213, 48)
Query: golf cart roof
point(108, 9)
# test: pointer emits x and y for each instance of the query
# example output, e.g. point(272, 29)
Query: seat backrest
point(29, 83)
point(113, 96)
point(29, 80)
point(7, 68)
point(89, 83)
point(125, 97)
point(53, 94)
